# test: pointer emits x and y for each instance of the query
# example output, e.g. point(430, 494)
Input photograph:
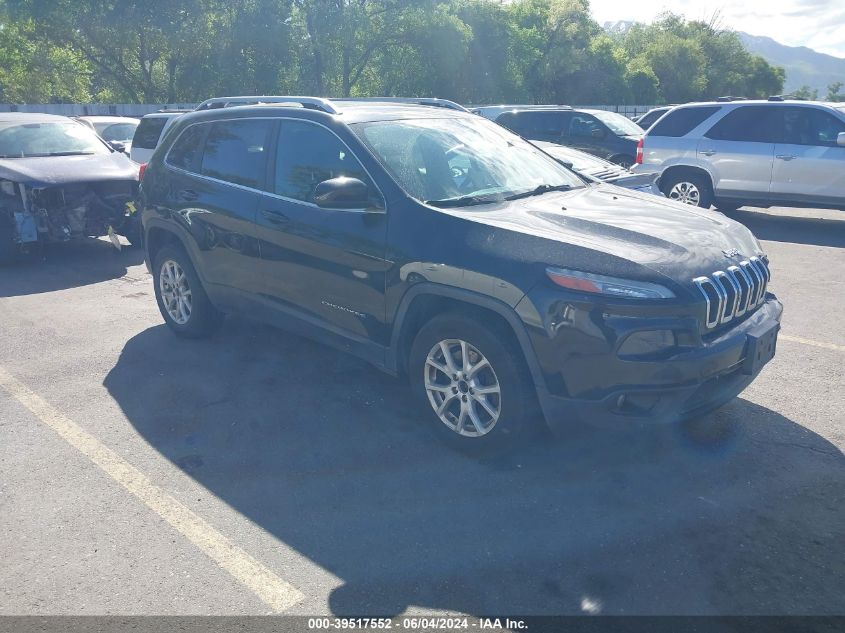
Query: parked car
point(601, 170)
point(117, 131)
point(645, 121)
point(58, 181)
point(150, 131)
point(764, 153)
point(604, 134)
point(436, 244)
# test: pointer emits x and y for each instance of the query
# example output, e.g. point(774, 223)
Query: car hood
point(610, 230)
point(48, 171)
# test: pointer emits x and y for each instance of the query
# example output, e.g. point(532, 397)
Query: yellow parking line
point(265, 584)
point(806, 341)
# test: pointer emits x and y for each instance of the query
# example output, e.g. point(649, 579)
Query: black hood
point(609, 227)
point(48, 171)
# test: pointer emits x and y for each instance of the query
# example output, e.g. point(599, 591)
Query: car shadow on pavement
point(67, 265)
point(739, 512)
point(793, 229)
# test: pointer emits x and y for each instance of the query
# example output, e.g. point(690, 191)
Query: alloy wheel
point(462, 388)
point(686, 192)
point(175, 292)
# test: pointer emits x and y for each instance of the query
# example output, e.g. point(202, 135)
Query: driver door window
point(308, 154)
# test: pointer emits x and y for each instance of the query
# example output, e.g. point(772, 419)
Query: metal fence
point(79, 109)
point(140, 109)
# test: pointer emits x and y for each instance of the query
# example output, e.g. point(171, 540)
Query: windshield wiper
point(70, 153)
point(538, 191)
point(463, 201)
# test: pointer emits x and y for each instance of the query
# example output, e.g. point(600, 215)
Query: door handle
point(188, 195)
point(276, 217)
point(708, 152)
point(786, 156)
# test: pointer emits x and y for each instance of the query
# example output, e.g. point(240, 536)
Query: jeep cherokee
point(437, 244)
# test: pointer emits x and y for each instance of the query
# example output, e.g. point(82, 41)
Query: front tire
point(472, 382)
point(181, 298)
point(688, 188)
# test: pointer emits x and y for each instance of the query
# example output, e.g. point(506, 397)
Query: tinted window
point(757, 124)
point(649, 118)
point(811, 126)
point(236, 151)
point(681, 121)
point(115, 131)
point(531, 124)
point(148, 131)
point(186, 149)
point(586, 126)
point(308, 154)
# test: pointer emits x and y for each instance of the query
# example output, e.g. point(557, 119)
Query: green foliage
point(833, 93)
point(473, 51)
point(804, 92)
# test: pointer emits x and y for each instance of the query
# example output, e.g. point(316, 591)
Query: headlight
point(600, 284)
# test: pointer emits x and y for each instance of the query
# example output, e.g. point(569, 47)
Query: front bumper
point(683, 386)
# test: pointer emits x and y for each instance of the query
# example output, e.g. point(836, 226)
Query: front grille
point(736, 291)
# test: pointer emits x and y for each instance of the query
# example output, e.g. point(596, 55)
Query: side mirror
point(117, 146)
point(344, 193)
point(840, 139)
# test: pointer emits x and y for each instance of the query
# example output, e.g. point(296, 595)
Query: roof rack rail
point(312, 103)
point(730, 98)
point(785, 97)
point(435, 102)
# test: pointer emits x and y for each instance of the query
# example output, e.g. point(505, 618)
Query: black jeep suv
point(439, 245)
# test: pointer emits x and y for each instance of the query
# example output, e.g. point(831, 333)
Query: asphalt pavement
point(258, 472)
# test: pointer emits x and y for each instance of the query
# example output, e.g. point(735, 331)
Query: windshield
point(618, 124)
point(472, 161)
point(53, 138)
point(115, 131)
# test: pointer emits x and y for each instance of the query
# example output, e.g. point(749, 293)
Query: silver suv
point(763, 153)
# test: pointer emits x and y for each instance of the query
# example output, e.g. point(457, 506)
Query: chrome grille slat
point(731, 293)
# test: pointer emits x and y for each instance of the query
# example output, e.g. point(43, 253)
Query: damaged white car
point(59, 181)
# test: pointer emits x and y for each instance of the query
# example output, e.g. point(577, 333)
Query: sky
point(817, 24)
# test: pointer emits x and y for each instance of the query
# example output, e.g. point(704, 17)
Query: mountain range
point(804, 66)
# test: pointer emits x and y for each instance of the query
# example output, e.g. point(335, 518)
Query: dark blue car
point(604, 134)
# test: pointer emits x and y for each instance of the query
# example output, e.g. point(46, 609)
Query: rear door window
point(754, 124)
point(535, 124)
point(186, 150)
point(682, 121)
point(306, 155)
point(811, 126)
point(148, 132)
point(236, 152)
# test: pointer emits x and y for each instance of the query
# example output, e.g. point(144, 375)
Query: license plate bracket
point(760, 348)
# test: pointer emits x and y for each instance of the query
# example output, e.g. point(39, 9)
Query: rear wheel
point(472, 382)
point(688, 188)
point(180, 296)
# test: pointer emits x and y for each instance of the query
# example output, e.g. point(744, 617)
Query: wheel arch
point(159, 234)
point(675, 170)
point(425, 300)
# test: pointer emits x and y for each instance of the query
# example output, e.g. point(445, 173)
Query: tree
point(805, 92)
point(33, 71)
point(833, 93)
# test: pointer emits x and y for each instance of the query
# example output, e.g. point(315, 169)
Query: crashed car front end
point(48, 214)
point(58, 182)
